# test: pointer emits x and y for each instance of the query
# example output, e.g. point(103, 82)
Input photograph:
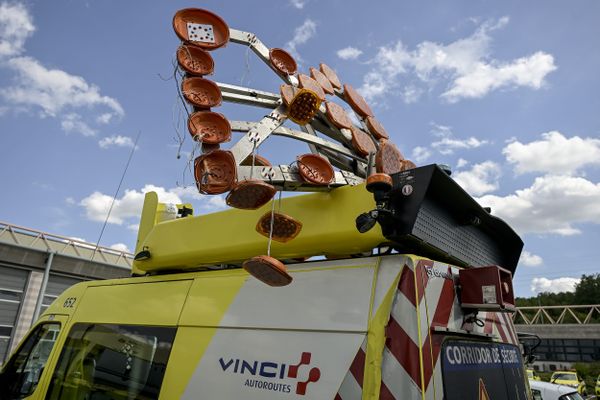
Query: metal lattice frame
point(62, 245)
point(336, 147)
point(541, 314)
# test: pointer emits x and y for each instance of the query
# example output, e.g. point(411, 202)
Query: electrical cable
point(116, 194)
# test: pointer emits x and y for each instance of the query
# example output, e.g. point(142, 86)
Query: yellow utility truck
point(417, 307)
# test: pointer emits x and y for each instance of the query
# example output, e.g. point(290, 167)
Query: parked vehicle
point(531, 374)
point(550, 391)
point(569, 378)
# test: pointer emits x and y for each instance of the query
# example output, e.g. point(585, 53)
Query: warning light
point(315, 169)
point(201, 92)
point(209, 127)
point(303, 106)
point(268, 270)
point(283, 61)
point(195, 61)
point(201, 28)
point(250, 194)
point(215, 172)
point(285, 228)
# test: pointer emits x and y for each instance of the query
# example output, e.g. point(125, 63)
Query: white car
point(551, 391)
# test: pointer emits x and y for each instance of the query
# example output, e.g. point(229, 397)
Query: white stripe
point(403, 309)
point(431, 299)
point(397, 379)
point(389, 268)
point(350, 389)
point(437, 381)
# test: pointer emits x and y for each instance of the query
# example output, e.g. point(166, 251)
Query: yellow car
point(531, 374)
point(569, 378)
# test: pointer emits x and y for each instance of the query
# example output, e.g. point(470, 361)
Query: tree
point(587, 291)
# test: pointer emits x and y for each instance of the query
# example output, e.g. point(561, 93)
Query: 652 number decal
point(69, 302)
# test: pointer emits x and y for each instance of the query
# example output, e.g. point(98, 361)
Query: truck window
point(23, 371)
point(482, 370)
point(103, 361)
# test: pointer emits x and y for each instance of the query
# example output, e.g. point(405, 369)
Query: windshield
point(564, 376)
point(571, 396)
point(116, 362)
point(23, 371)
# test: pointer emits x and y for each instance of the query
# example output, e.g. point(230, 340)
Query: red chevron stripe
point(404, 350)
point(407, 284)
point(422, 277)
point(509, 328)
point(500, 329)
point(432, 347)
point(384, 393)
point(337, 397)
point(358, 367)
point(489, 323)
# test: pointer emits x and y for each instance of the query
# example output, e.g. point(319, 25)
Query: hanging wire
point(253, 159)
point(279, 200)
point(271, 228)
point(246, 73)
point(116, 194)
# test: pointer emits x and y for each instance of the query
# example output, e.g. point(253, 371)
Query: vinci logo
point(273, 370)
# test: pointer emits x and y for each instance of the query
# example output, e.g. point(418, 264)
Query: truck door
point(26, 373)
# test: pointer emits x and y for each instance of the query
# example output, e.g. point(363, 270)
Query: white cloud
point(349, 53)
point(541, 285)
point(117, 141)
point(483, 78)
point(120, 247)
point(420, 154)
point(73, 123)
point(54, 92)
point(461, 163)
point(411, 94)
point(16, 26)
point(301, 35)
point(554, 204)
point(530, 260)
point(299, 4)
point(465, 65)
point(128, 208)
point(104, 118)
point(481, 178)
point(554, 153)
point(448, 144)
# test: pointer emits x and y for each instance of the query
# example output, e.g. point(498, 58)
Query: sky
point(506, 93)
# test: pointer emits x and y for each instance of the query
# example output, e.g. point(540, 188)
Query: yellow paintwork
point(195, 302)
point(376, 341)
point(532, 375)
point(155, 304)
point(230, 236)
point(574, 382)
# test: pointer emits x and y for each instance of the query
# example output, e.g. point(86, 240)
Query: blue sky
point(504, 92)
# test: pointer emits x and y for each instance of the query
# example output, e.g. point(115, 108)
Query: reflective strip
point(351, 387)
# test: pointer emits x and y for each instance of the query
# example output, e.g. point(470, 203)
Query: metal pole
point(40, 299)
